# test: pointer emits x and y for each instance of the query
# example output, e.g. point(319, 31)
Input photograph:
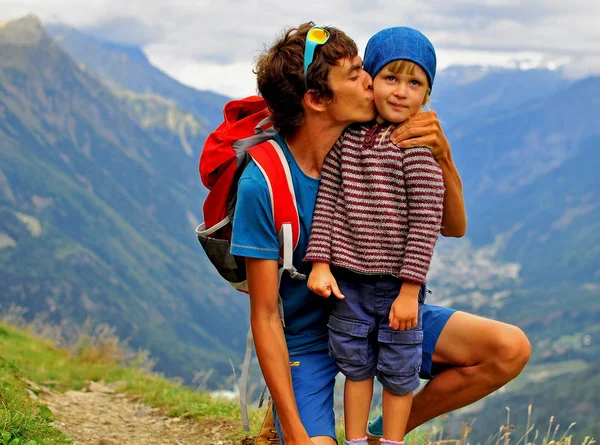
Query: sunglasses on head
point(316, 36)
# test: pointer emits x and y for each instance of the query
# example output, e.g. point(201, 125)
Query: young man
point(315, 87)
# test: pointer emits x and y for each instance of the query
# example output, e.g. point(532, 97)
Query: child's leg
point(398, 408)
point(357, 404)
point(353, 342)
point(398, 366)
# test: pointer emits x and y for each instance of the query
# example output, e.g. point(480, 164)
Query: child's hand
point(322, 282)
point(404, 313)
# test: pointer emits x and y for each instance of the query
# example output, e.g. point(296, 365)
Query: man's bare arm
point(454, 217)
point(271, 348)
point(424, 129)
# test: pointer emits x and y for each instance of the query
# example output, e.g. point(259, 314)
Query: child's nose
point(400, 90)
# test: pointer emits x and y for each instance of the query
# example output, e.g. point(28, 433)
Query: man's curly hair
point(280, 73)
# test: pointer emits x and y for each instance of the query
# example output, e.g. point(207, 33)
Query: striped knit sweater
point(379, 208)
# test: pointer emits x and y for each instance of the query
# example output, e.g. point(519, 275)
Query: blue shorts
point(361, 339)
point(313, 379)
point(313, 376)
point(434, 320)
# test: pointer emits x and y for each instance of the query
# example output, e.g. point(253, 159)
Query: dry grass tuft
point(89, 343)
point(505, 434)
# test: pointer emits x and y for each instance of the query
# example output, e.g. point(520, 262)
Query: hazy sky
point(211, 44)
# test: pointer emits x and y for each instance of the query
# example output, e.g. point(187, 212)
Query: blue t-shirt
point(254, 236)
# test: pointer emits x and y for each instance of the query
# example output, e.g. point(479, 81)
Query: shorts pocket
point(348, 340)
point(400, 351)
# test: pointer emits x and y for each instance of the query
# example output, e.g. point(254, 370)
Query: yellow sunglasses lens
point(317, 35)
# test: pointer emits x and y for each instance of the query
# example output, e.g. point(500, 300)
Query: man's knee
point(478, 346)
point(511, 352)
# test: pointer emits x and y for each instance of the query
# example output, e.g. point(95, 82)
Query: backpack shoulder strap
point(270, 159)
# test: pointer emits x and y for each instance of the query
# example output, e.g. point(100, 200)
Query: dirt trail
point(100, 416)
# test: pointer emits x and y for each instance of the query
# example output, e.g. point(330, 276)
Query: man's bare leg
point(483, 354)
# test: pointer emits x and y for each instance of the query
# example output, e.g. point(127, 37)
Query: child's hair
point(400, 44)
point(400, 48)
point(407, 67)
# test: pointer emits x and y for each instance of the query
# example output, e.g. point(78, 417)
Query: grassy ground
point(21, 420)
point(100, 356)
point(24, 356)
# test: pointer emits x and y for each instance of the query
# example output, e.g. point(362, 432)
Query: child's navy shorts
point(361, 339)
point(313, 375)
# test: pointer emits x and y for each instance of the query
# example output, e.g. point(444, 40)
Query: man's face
point(352, 92)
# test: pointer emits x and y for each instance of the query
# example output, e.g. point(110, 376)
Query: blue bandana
point(400, 43)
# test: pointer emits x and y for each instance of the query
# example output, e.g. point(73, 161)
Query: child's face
point(398, 96)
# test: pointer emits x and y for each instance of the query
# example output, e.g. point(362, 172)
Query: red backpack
point(246, 133)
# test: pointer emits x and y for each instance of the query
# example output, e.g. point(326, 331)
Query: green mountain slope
point(129, 68)
point(97, 217)
point(531, 189)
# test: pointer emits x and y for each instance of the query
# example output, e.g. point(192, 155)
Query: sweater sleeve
point(319, 245)
point(425, 195)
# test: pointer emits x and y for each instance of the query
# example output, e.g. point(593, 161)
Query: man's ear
point(315, 102)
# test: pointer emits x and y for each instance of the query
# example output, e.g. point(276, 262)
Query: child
point(376, 221)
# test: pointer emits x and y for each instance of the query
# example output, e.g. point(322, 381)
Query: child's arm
point(319, 245)
point(424, 129)
point(425, 200)
point(425, 196)
point(320, 280)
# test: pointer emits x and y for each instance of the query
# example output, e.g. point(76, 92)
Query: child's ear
point(315, 101)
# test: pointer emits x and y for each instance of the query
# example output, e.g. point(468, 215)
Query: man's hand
point(322, 282)
point(422, 129)
point(404, 313)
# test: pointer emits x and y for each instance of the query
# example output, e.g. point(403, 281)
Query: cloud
point(204, 40)
point(235, 80)
point(125, 30)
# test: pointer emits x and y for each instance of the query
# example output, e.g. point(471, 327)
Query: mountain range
point(99, 196)
point(532, 251)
